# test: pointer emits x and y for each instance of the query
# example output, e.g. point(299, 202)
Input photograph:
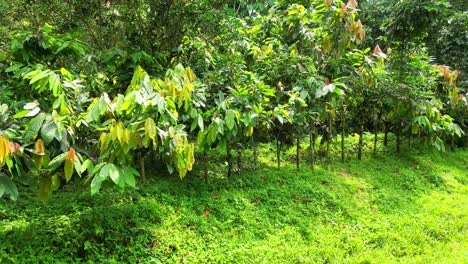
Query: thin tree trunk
point(239, 159)
point(298, 148)
point(205, 166)
point(385, 142)
point(375, 137)
point(361, 131)
point(342, 134)
point(409, 138)
point(278, 152)
point(398, 141)
point(229, 159)
point(329, 135)
point(255, 152)
point(142, 167)
point(312, 146)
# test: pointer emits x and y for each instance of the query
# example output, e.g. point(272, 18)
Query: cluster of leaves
point(278, 73)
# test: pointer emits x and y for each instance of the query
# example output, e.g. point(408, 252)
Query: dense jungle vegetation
point(326, 131)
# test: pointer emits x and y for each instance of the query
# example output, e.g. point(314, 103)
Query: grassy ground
point(410, 208)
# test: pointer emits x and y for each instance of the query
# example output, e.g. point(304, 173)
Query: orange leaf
point(12, 147)
point(352, 3)
point(17, 148)
point(206, 213)
point(39, 147)
point(342, 11)
point(71, 155)
point(377, 50)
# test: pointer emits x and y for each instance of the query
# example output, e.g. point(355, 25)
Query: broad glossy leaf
point(8, 187)
point(34, 127)
point(200, 122)
point(150, 129)
point(87, 165)
point(55, 84)
point(57, 161)
point(230, 122)
point(55, 182)
point(68, 167)
point(48, 131)
point(129, 174)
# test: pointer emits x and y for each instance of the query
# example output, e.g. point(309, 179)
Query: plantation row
point(70, 111)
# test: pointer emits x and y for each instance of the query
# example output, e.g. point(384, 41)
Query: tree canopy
point(90, 89)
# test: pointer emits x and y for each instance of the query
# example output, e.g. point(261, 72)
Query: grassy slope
point(407, 209)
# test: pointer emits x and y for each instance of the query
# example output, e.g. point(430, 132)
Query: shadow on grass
point(125, 227)
point(98, 230)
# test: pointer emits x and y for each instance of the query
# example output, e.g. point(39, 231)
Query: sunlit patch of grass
point(390, 208)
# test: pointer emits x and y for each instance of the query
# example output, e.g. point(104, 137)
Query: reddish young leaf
point(39, 147)
point(72, 155)
point(206, 213)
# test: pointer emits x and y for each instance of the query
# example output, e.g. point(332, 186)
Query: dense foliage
point(407, 209)
point(94, 92)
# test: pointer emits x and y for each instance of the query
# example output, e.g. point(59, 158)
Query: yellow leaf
point(104, 141)
point(120, 132)
point(72, 154)
point(4, 149)
point(55, 182)
point(150, 129)
point(113, 133)
point(38, 155)
point(69, 165)
point(39, 147)
point(126, 136)
point(190, 74)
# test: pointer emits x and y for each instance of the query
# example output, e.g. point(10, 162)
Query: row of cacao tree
point(295, 72)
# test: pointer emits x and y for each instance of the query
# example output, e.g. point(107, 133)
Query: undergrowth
point(406, 208)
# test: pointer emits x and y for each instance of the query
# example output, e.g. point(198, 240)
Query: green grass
point(411, 208)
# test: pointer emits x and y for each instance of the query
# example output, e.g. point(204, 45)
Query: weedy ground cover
point(407, 208)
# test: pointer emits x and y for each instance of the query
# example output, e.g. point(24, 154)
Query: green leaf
point(63, 46)
point(211, 133)
point(55, 182)
point(48, 131)
point(21, 114)
point(39, 76)
point(77, 165)
point(34, 127)
point(200, 122)
point(193, 125)
point(96, 183)
point(45, 189)
point(129, 174)
point(100, 177)
point(114, 174)
point(14, 67)
point(230, 122)
point(150, 129)
point(55, 84)
point(8, 187)
point(87, 165)
point(57, 161)
point(68, 169)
